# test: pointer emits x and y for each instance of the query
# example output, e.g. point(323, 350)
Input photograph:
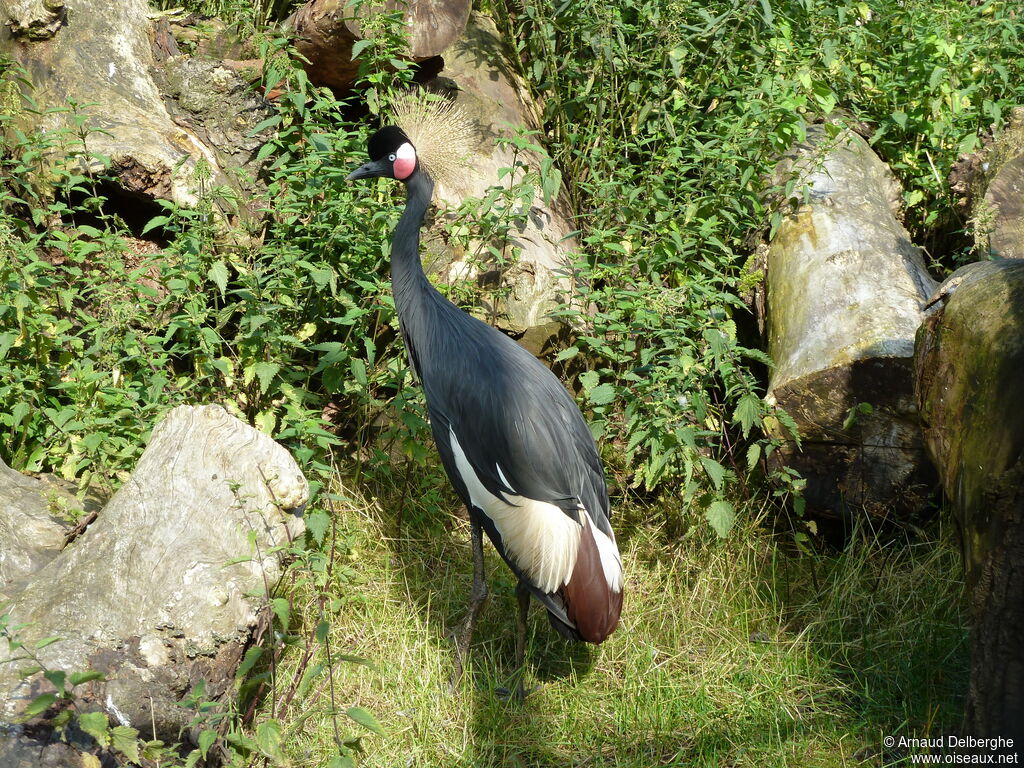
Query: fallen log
point(157, 594)
point(845, 287)
point(969, 365)
point(1000, 219)
point(326, 31)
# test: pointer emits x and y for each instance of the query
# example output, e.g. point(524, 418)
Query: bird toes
point(517, 694)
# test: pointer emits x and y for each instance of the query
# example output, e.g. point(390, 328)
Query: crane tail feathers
point(593, 594)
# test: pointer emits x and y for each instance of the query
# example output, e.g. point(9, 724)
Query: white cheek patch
point(405, 161)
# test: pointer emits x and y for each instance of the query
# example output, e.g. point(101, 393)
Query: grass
point(733, 652)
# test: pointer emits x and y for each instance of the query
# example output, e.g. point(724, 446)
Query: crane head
point(429, 134)
point(391, 155)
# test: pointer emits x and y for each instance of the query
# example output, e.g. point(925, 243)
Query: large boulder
point(35, 518)
point(97, 57)
point(163, 589)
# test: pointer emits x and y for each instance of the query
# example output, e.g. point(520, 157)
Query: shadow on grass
point(432, 552)
point(887, 615)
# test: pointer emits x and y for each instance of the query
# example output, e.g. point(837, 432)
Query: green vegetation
point(664, 118)
point(731, 652)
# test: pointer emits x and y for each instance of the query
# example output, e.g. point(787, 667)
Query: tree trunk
point(845, 289)
point(326, 30)
point(535, 278)
point(969, 361)
point(999, 215)
point(156, 593)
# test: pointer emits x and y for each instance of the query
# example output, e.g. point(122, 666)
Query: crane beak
point(370, 170)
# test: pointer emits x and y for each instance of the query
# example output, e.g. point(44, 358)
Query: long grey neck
point(408, 282)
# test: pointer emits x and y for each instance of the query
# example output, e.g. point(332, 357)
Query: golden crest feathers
point(441, 132)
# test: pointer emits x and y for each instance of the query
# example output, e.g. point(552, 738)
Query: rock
point(214, 102)
point(999, 217)
point(32, 528)
point(480, 77)
point(969, 361)
point(99, 58)
point(34, 19)
point(845, 290)
point(157, 593)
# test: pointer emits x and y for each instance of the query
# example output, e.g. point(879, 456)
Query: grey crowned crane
point(512, 441)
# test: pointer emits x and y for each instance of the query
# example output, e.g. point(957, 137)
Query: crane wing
point(516, 424)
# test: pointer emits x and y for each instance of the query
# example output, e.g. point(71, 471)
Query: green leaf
point(753, 456)
point(241, 741)
point(40, 704)
point(365, 719)
point(265, 372)
point(317, 525)
point(156, 221)
point(341, 761)
point(322, 628)
point(748, 412)
point(721, 516)
point(356, 660)
point(77, 678)
point(125, 740)
point(271, 122)
point(56, 677)
point(589, 379)
point(358, 368)
point(312, 673)
point(47, 641)
point(248, 662)
point(206, 739)
point(602, 394)
point(219, 275)
point(714, 470)
point(282, 609)
point(97, 725)
point(18, 412)
point(268, 737)
point(360, 46)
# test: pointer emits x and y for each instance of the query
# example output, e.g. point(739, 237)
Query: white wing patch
point(539, 537)
point(611, 562)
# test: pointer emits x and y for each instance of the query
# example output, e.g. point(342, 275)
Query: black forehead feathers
point(385, 141)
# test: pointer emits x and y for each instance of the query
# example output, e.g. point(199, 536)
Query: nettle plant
point(667, 117)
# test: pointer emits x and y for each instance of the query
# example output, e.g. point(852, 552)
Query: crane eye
point(392, 157)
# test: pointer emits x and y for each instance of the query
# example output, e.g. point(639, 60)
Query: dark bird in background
point(511, 438)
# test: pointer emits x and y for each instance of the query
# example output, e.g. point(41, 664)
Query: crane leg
point(477, 597)
point(523, 596)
